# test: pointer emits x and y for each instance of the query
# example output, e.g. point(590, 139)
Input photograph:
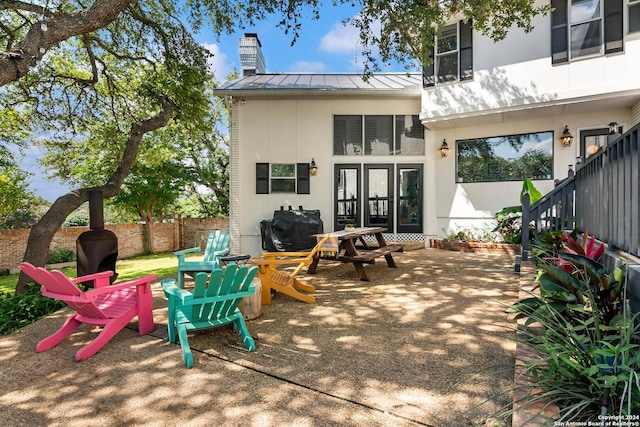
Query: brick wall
point(169, 237)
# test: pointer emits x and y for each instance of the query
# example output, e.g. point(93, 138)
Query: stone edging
point(531, 415)
point(480, 247)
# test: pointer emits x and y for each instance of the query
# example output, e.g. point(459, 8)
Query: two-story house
point(424, 154)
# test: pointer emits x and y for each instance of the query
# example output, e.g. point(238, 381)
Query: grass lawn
point(162, 265)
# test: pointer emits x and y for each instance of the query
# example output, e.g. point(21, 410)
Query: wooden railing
point(603, 198)
point(608, 194)
point(553, 212)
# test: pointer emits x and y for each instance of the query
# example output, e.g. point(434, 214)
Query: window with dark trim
point(282, 178)
point(451, 57)
point(378, 135)
point(505, 158)
point(582, 28)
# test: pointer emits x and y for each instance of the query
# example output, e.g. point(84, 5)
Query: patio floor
point(425, 344)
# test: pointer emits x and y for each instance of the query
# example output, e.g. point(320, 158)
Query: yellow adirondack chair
point(283, 281)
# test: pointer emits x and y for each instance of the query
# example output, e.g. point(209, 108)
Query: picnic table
point(348, 252)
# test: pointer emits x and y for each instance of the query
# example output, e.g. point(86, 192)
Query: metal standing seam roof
point(319, 83)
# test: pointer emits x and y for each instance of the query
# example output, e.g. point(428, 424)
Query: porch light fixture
point(592, 149)
point(566, 137)
point(444, 149)
point(313, 168)
point(613, 128)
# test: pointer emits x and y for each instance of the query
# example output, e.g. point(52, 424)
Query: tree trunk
point(149, 231)
point(43, 231)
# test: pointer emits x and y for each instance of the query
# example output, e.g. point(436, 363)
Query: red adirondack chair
point(109, 306)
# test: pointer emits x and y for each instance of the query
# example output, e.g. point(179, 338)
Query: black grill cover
point(291, 231)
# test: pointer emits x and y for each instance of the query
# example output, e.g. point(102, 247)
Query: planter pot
point(492, 248)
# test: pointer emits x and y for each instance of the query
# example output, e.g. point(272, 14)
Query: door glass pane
point(378, 191)
point(409, 197)
point(347, 203)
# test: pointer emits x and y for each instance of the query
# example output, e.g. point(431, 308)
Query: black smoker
point(96, 249)
point(291, 230)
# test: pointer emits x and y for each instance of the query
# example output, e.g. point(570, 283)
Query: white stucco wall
point(295, 131)
point(517, 72)
point(466, 204)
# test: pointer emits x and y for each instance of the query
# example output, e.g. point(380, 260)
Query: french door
point(371, 201)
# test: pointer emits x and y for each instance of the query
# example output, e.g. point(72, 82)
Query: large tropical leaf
point(592, 267)
point(534, 194)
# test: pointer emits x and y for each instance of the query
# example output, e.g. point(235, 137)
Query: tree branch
point(43, 231)
point(61, 26)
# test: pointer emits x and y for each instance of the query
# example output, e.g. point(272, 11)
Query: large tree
point(60, 63)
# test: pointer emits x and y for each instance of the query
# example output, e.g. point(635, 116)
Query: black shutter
point(466, 51)
point(262, 178)
point(559, 32)
point(613, 26)
point(428, 71)
point(302, 176)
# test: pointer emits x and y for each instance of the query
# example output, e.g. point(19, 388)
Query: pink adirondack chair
point(111, 307)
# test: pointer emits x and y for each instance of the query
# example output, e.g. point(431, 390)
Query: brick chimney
point(251, 56)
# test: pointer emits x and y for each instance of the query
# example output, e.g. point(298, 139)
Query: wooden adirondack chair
point(209, 305)
point(282, 281)
point(217, 246)
point(111, 307)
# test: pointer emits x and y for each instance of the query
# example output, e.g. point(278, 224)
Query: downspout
point(234, 174)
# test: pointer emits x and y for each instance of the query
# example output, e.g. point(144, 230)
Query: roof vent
point(251, 56)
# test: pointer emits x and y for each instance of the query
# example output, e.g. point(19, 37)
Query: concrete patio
point(425, 344)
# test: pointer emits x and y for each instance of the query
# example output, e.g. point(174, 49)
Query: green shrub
point(17, 311)
point(59, 255)
point(588, 341)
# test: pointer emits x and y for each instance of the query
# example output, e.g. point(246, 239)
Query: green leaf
point(534, 194)
point(562, 277)
point(592, 266)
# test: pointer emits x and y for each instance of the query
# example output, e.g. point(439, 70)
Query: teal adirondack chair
point(217, 246)
point(209, 305)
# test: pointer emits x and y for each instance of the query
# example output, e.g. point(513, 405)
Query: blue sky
point(324, 46)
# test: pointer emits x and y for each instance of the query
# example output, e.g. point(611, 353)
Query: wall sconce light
point(613, 128)
point(566, 137)
point(444, 149)
point(313, 168)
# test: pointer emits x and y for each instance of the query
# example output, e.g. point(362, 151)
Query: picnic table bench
point(349, 253)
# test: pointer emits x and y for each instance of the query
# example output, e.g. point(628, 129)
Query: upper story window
point(452, 56)
point(634, 16)
point(585, 27)
point(581, 28)
point(377, 135)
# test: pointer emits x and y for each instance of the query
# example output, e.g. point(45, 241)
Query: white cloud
point(307, 67)
point(341, 40)
point(219, 64)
